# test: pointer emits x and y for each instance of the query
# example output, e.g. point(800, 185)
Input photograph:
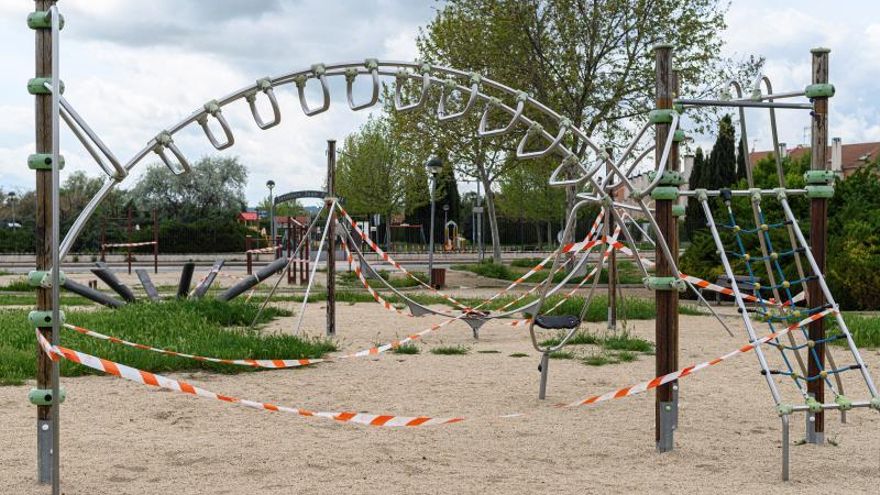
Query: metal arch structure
point(295, 195)
point(476, 87)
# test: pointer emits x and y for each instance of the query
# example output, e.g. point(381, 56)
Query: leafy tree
point(525, 195)
point(371, 175)
point(214, 189)
point(722, 159)
point(694, 217)
point(741, 172)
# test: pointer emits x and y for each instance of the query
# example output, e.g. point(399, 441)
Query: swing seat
point(562, 322)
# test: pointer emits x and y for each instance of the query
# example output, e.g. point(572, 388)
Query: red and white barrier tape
point(690, 370)
point(265, 250)
point(127, 244)
point(357, 270)
point(611, 245)
point(156, 380)
point(375, 247)
point(254, 363)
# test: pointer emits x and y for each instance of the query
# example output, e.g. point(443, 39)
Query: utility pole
point(46, 162)
point(818, 242)
point(666, 297)
point(331, 237)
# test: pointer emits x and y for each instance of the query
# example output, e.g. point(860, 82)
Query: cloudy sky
point(132, 68)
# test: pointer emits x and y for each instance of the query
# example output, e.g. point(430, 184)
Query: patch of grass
point(626, 356)
point(625, 342)
point(450, 350)
point(864, 329)
point(195, 327)
point(598, 360)
point(526, 262)
point(489, 351)
point(400, 281)
point(406, 349)
point(562, 355)
point(488, 269)
point(519, 355)
point(31, 300)
point(17, 285)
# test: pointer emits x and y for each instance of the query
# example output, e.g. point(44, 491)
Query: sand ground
point(123, 438)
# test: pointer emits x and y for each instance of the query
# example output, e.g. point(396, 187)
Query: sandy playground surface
point(123, 438)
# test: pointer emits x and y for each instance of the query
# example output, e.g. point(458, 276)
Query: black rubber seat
point(562, 322)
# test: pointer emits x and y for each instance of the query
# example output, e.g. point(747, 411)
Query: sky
point(132, 69)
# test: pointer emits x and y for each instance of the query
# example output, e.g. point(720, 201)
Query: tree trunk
point(570, 200)
point(490, 206)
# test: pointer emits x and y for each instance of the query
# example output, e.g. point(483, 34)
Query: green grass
point(450, 350)
point(401, 281)
point(406, 349)
point(489, 269)
point(489, 351)
point(628, 273)
point(204, 327)
point(31, 300)
point(626, 356)
point(625, 342)
point(864, 329)
point(18, 285)
point(598, 360)
point(580, 338)
point(562, 355)
point(519, 355)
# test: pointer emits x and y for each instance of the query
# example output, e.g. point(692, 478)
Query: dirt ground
point(120, 437)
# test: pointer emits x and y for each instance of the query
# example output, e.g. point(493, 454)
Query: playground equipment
point(574, 170)
point(131, 226)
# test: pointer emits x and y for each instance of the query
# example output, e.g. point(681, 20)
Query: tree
point(722, 159)
point(214, 188)
point(694, 218)
point(741, 173)
point(590, 61)
point(526, 196)
point(370, 175)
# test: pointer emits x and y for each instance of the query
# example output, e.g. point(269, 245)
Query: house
point(852, 156)
point(248, 218)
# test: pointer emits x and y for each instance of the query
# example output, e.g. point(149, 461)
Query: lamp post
point(12, 203)
point(433, 167)
point(271, 185)
point(445, 224)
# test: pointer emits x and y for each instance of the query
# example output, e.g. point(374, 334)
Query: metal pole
point(155, 241)
point(818, 242)
point(479, 223)
point(46, 431)
point(431, 235)
point(612, 258)
point(331, 237)
point(666, 324)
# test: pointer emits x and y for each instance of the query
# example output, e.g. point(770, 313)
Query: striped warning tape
point(690, 370)
point(127, 244)
point(254, 363)
point(156, 380)
point(265, 250)
point(611, 242)
point(385, 257)
point(147, 378)
point(357, 270)
point(704, 284)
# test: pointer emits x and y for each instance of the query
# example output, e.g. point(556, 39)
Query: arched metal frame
point(449, 79)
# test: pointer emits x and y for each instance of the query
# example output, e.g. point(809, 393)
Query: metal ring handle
point(318, 71)
point(264, 85)
point(163, 142)
point(536, 128)
point(444, 95)
point(372, 65)
point(212, 108)
point(426, 85)
point(484, 120)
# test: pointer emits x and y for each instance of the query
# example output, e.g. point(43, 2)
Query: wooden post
point(818, 242)
point(43, 241)
point(666, 325)
point(155, 241)
point(612, 257)
point(331, 238)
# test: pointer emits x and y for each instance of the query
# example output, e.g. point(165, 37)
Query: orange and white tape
point(254, 363)
point(127, 244)
point(265, 250)
point(156, 380)
point(690, 370)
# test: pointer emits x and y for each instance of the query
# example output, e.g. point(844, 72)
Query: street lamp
point(12, 203)
point(433, 167)
point(271, 185)
point(445, 224)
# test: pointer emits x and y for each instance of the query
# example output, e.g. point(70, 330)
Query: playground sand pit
point(119, 437)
